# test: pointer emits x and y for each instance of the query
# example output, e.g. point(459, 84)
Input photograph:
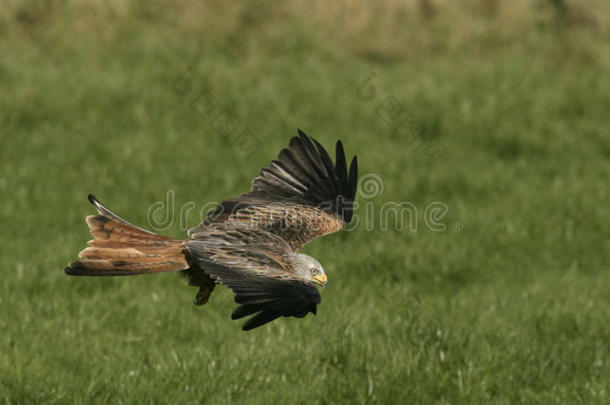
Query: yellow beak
point(322, 280)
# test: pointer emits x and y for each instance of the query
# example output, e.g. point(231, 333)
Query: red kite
point(249, 243)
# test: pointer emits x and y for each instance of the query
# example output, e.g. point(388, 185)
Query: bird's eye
point(314, 271)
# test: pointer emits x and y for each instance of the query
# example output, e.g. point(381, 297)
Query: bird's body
point(249, 243)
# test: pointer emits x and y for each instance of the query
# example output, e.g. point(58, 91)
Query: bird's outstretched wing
point(300, 196)
point(257, 267)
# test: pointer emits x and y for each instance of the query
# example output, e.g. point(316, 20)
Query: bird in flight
point(249, 244)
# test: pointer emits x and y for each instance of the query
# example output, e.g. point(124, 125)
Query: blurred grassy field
point(98, 97)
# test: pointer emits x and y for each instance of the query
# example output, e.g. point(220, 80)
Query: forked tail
point(122, 249)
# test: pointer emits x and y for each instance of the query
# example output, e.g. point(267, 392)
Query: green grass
point(514, 308)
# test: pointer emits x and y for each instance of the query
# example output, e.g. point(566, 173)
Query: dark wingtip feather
point(261, 319)
point(328, 163)
point(245, 310)
point(307, 142)
point(353, 177)
point(341, 166)
point(92, 199)
point(339, 150)
point(303, 137)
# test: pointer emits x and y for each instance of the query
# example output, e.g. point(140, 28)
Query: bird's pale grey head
point(310, 269)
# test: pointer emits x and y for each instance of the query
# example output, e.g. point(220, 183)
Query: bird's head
point(310, 269)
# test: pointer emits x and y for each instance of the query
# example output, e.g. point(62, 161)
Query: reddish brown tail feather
point(121, 249)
